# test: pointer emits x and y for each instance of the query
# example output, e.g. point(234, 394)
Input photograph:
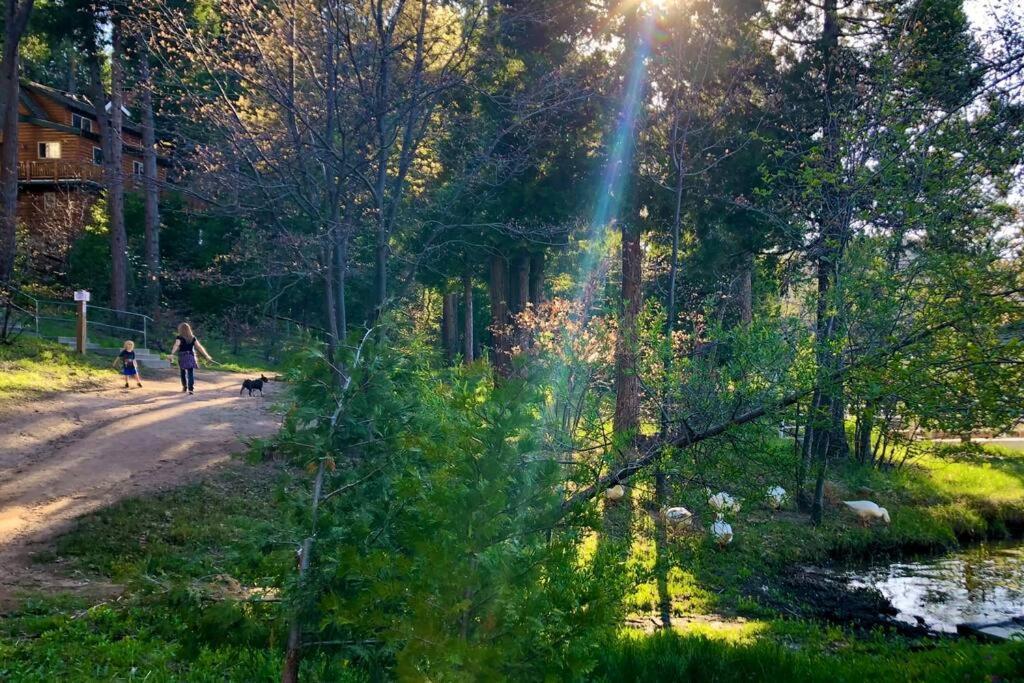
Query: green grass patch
point(202, 567)
point(245, 360)
point(798, 651)
point(32, 366)
point(201, 603)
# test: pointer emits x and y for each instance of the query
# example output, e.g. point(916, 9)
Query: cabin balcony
point(45, 171)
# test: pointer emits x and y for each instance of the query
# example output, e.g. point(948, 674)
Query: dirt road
point(71, 453)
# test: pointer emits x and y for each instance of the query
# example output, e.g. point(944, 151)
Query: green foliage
point(440, 551)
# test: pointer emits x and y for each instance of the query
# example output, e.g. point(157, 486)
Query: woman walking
point(186, 345)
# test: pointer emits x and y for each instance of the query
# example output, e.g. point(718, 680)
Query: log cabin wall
point(48, 116)
point(55, 194)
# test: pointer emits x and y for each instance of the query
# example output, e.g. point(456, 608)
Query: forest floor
point(66, 454)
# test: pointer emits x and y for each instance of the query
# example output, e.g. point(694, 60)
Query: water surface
point(981, 584)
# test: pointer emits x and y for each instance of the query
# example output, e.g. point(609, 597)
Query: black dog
point(252, 385)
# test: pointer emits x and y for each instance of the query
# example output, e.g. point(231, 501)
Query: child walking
point(129, 368)
point(185, 346)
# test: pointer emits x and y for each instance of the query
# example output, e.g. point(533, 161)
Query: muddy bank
point(977, 591)
point(825, 595)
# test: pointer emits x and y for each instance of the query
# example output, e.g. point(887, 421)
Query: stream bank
point(977, 591)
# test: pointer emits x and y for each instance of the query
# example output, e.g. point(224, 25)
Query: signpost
point(81, 298)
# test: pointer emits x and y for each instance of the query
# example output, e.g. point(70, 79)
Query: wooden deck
point(58, 171)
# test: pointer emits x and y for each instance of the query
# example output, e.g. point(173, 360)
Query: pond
point(983, 584)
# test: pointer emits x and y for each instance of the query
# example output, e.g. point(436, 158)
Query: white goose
point(722, 503)
point(678, 515)
point(615, 493)
point(776, 497)
point(867, 510)
point(722, 532)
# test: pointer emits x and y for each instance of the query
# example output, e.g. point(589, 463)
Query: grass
point(200, 603)
point(32, 366)
point(804, 652)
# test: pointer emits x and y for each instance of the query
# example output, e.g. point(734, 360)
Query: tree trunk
point(818, 509)
point(380, 273)
point(340, 272)
point(118, 232)
point(826, 421)
point(746, 291)
point(293, 652)
point(110, 125)
point(16, 17)
point(660, 482)
point(331, 312)
point(500, 324)
point(804, 499)
point(152, 188)
point(449, 329)
point(537, 279)
point(467, 323)
point(865, 425)
point(618, 514)
point(71, 76)
point(521, 268)
point(330, 306)
point(627, 384)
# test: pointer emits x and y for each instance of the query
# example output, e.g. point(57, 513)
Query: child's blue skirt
point(129, 372)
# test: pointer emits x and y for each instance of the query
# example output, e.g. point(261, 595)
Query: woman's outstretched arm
point(203, 351)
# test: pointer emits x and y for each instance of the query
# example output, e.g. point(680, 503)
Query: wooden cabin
point(60, 165)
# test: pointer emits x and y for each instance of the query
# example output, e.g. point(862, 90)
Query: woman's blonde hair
point(129, 345)
point(185, 330)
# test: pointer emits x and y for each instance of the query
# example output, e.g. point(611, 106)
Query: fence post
point(81, 298)
point(37, 317)
point(145, 332)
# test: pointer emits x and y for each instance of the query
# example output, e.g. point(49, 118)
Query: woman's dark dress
point(187, 354)
point(187, 362)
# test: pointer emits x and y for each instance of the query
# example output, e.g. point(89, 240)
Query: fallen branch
point(683, 441)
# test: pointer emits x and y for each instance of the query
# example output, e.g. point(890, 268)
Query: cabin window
point(97, 156)
point(49, 150)
point(137, 167)
point(49, 201)
point(80, 122)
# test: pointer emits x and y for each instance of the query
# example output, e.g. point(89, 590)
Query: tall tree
point(150, 177)
point(110, 120)
point(16, 16)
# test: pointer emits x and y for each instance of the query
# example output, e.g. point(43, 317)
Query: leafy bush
point(441, 550)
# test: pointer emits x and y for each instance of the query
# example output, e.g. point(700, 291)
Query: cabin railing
point(59, 170)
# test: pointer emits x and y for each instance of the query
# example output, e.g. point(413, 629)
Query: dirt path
point(68, 454)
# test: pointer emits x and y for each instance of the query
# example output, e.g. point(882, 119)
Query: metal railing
point(13, 313)
point(50, 317)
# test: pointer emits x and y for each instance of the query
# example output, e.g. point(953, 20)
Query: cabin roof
point(77, 103)
point(73, 101)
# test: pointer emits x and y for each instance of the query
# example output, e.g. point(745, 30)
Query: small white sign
point(81, 295)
